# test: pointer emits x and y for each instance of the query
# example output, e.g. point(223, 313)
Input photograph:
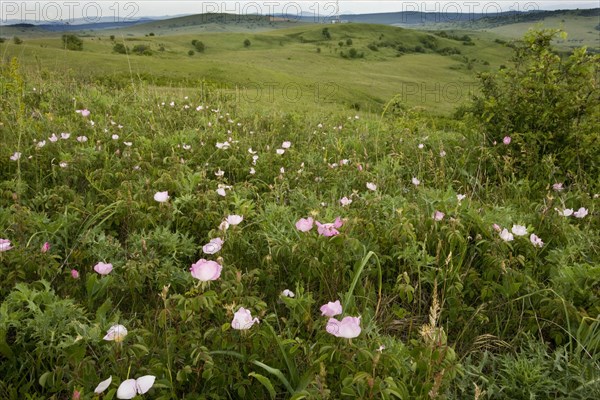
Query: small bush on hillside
point(142, 49)
point(548, 105)
point(72, 42)
point(199, 46)
point(120, 48)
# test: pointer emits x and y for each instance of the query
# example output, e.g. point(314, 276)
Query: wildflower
point(82, 139)
point(219, 173)
point(116, 333)
point(460, 197)
point(348, 327)
point(161, 197)
point(221, 192)
point(415, 181)
point(224, 225)
point(65, 135)
point(63, 164)
point(567, 212)
point(102, 268)
point(329, 229)
point(506, 140)
point(535, 240)
point(186, 146)
point(506, 235)
point(286, 145)
point(280, 151)
point(205, 270)
point(288, 293)
point(331, 309)
point(519, 230)
point(213, 246)
point(496, 227)
point(74, 274)
point(128, 144)
point(234, 219)
point(76, 395)
point(41, 143)
point(53, 138)
point(558, 187)
point(282, 170)
point(371, 186)
point(224, 146)
point(15, 156)
point(344, 201)
point(242, 319)
point(304, 224)
point(442, 153)
point(102, 386)
point(421, 145)
point(5, 245)
point(129, 388)
point(84, 113)
point(438, 216)
point(582, 212)
point(252, 171)
point(45, 247)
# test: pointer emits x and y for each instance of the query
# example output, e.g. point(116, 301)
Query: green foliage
point(443, 304)
point(72, 42)
point(199, 46)
point(17, 40)
point(142, 49)
point(549, 105)
point(120, 48)
point(191, 52)
point(247, 43)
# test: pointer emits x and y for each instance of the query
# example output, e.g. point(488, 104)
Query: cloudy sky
point(65, 10)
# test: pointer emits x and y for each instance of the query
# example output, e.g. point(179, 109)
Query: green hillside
point(283, 66)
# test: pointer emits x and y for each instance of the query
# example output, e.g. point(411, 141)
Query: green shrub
point(549, 105)
point(120, 48)
point(142, 49)
point(199, 46)
point(247, 43)
point(72, 42)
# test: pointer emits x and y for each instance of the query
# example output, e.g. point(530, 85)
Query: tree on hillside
point(247, 43)
point(72, 42)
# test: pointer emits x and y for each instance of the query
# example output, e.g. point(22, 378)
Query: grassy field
point(288, 67)
point(174, 239)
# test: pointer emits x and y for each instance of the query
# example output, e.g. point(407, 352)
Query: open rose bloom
point(348, 327)
point(305, 224)
point(205, 270)
point(242, 319)
point(329, 229)
point(103, 268)
point(331, 309)
point(5, 245)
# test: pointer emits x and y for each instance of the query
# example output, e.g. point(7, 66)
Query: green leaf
point(44, 378)
point(265, 382)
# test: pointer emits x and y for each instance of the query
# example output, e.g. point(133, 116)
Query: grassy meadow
point(170, 228)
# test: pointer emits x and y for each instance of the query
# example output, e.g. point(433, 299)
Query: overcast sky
point(65, 10)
